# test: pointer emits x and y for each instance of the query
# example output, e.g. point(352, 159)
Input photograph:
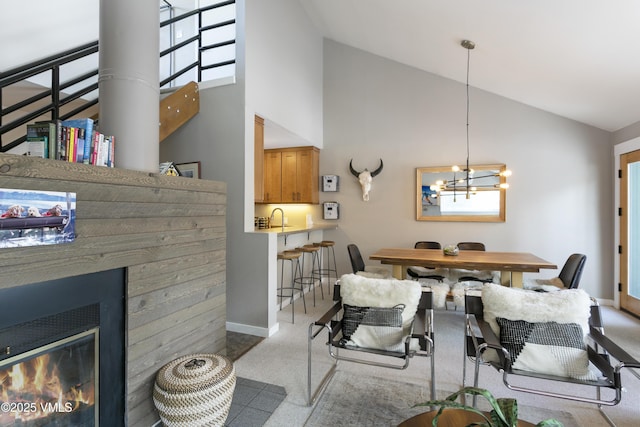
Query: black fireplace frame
point(26, 303)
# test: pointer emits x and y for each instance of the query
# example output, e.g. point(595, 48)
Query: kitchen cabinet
point(291, 175)
point(258, 150)
point(272, 176)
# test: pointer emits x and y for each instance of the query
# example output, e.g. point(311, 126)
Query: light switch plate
point(331, 210)
point(330, 182)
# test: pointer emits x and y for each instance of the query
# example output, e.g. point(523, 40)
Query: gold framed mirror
point(445, 195)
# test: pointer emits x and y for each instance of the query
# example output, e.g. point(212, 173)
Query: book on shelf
point(95, 140)
point(87, 124)
point(38, 140)
point(80, 145)
point(37, 146)
point(62, 143)
point(71, 143)
point(103, 150)
point(53, 136)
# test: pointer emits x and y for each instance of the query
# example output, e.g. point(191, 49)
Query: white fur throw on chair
point(375, 272)
point(569, 306)
point(458, 290)
point(547, 285)
point(439, 289)
point(547, 330)
point(360, 291)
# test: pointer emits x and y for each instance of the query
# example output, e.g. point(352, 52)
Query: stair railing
point(68, 98)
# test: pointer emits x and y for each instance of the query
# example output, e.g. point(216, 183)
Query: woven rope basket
point(195, 390)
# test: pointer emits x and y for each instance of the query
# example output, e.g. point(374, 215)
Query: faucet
point(282, 215)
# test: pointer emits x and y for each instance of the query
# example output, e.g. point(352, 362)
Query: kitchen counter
point(293, 229)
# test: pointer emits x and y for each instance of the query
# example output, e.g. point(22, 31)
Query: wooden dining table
point(511, 265)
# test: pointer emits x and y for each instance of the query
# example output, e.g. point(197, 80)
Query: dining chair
point(417, 272)
point(571, 272)
point(569, 277)
point(471, 246)
point(476, 275)
point(359, 267)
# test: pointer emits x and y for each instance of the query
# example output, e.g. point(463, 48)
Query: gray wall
point(560, 200)
point(626, 133)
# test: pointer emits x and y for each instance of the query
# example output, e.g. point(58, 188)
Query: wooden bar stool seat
point(296, 272)
point(309, 276)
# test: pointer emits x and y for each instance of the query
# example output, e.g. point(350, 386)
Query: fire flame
point(34, 389)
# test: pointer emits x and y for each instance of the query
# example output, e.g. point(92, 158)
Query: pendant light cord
point(468, 63)
point(467, 170)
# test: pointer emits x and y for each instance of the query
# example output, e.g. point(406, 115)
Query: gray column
point(129, 81)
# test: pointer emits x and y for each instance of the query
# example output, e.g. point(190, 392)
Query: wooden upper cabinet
point(258, 152)
point(291, 175)
point(272, 176)
point(290, 192)
point(307, 165)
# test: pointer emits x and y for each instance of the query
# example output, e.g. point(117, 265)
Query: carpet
point(351, 400)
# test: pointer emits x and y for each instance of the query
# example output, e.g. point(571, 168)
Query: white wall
point(284, 68)
point(560, 200)
point(32, 32)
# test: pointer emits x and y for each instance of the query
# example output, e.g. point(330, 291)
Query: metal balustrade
point(52, 88)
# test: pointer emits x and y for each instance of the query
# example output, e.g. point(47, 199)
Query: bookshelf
point(74, 141)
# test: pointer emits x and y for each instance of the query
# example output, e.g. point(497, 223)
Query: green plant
point(504, 412)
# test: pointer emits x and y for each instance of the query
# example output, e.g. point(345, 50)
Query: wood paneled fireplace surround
point(164, 236)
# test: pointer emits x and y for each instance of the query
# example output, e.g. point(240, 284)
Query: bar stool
point(326, 255)
point(313, 272)
point(296, 272)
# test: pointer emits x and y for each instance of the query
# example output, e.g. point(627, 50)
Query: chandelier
point(466, 180)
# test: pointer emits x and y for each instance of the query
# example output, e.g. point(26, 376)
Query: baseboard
point(252, 330)
point(607, 302)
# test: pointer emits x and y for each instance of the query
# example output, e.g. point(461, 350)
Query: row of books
point(75, 140)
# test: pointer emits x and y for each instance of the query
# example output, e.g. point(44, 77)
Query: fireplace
point(52, 385)
point(62, 352)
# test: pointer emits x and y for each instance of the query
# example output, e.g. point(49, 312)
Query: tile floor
point(253, 401)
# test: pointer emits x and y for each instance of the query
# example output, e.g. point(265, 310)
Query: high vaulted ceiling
point(579, 59)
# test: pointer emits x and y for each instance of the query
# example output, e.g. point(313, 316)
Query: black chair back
point(471, 246)
point(572, 271)
point(357, 263)
point(427, 245)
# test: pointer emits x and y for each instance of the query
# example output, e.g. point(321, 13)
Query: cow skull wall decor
point(365, 177)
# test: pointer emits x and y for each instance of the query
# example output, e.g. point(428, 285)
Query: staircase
point(63, 86)
point(178, 108)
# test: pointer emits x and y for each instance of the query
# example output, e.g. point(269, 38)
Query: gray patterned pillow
point(547, 348)
point(354, 316)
